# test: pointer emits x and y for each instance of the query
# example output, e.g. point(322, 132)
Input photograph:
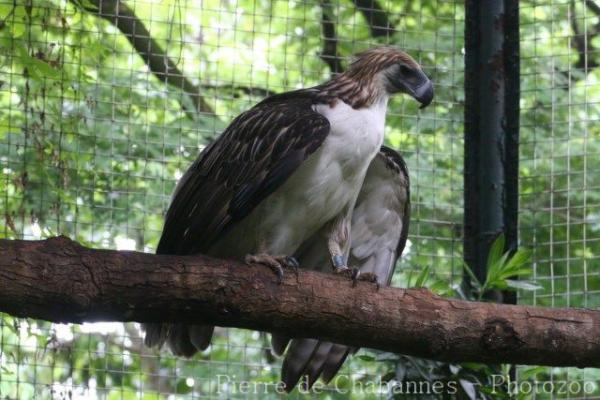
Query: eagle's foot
point(340, 267)
point(275, 262)
point(350, 273)
point(368, 277)
point(291, 262)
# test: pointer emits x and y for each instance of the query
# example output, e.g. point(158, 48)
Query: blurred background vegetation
point(103, 105)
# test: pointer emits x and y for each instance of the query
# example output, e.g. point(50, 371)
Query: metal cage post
point(491, 129)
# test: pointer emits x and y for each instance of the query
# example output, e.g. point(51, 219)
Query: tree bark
point(62, 281)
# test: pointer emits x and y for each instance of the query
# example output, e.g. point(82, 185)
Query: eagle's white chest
point(323, 187)
point(355, 134)
point(336, 171)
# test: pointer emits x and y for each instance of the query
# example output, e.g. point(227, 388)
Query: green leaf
point(497, 268)
point(38, 68)
point(366, 357)
point(523, 285)
point(521, 257)
point(474, 281)
point(531, 372)
point(87, 5)
point(496, 250)
point(423, 275)
point(440, 287)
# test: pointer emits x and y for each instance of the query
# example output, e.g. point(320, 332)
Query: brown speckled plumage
point(358, 86)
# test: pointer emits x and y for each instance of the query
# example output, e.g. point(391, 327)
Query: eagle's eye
point(404, 70)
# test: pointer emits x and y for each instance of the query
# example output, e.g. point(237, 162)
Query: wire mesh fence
point(100, 115)
point(93, 142)
point(560, 109)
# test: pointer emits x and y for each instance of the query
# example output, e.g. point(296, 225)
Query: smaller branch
point(582, 42)
point(249, 90)
point(595, 8)
point(376, 16)
point(123, 17)
point(330, 41)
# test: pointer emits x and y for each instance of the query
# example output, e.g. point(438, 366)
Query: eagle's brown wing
point(378, 236)
point(255, 155)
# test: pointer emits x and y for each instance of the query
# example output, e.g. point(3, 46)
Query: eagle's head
point(389, 70)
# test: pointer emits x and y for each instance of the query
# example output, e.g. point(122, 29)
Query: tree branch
point(59, 280)
point(595, 8)
point(582, 42)
point(235, 88)
point(330, 41)
point(123, 17)
point(376, 16)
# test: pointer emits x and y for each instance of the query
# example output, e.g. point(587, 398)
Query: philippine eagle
point(284, 177)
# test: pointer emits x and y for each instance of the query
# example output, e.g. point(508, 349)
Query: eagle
point(285, 176)
point(380, 222)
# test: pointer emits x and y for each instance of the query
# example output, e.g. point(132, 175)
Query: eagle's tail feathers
point(313, 359)
point(279, 343)
point(183, 340)
point(298, 355)
point(200, 336)
point(316, 363)
point(156, 334)
point(335, 359)
point(179, 341)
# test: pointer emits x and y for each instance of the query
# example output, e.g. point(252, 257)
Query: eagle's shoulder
point(300, 97)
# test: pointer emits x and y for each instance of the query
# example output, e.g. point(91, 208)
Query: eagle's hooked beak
point(424, 94)
point(415, 83)
point(420, 88)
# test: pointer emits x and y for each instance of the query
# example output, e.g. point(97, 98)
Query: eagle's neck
point(356, 91)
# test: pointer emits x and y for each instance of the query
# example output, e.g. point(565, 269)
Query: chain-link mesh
point(93, 140)
point(99, 118)
point(559, 173)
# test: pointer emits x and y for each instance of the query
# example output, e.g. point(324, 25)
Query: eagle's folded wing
point(255, 155)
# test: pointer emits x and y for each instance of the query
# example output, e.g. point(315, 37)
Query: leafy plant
point(502, 268)
point(461, 380)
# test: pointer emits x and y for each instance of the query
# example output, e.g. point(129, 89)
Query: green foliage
point(479, 381)
point(465, 380)
point(502, 267)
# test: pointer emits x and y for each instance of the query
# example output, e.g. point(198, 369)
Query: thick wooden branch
point(59, 280)
point(121, 16)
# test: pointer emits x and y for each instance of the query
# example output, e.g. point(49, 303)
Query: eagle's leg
point(338, 243)
point(275, 262)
